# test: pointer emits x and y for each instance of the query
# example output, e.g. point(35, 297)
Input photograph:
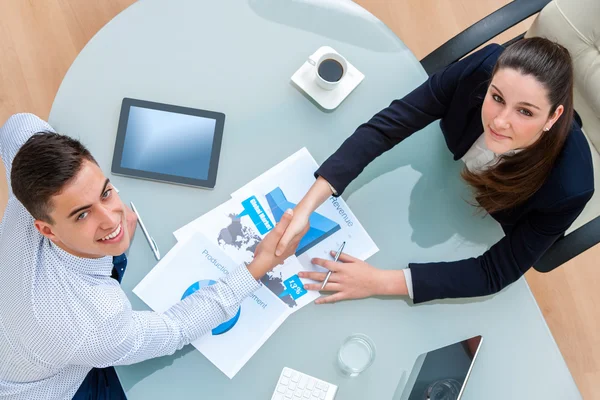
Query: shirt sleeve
point(427, 103)
point(409, 284)
point(14, 133)
point(333, 191)
point(128, 337)
point(504, 263)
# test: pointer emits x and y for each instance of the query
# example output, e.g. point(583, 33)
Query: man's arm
point(127, 336)
point(14, 133)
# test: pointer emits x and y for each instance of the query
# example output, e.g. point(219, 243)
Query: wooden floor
point(39, 39)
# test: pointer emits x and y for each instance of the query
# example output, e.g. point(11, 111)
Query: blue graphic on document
point(257, 214)
point(293, 287)
point(320, 226)
point(225, 326)
point(242, 238)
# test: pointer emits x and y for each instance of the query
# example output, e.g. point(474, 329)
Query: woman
point(508, 114)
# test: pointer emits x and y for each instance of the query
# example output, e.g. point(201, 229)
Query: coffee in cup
point(330, 69)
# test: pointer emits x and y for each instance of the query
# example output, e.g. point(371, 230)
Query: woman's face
point(515, 111)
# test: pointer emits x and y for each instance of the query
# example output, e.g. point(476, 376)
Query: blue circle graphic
point(225, 326)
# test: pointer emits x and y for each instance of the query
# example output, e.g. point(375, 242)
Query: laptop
point(441, 374)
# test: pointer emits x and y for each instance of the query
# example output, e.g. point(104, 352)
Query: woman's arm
point(500, 266)
point(403, 117)
point(504, 263)
point(316, 195)
point(427, 103)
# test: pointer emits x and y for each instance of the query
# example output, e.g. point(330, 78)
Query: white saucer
point(304, 78)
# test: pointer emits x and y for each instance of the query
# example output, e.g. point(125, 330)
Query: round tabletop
point(238, 58)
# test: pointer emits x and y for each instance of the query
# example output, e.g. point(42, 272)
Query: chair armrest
point(480, 32)
point(570, 246)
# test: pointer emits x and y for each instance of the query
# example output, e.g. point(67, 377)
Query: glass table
point(237, 57)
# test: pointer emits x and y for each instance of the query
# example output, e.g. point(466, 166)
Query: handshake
point(351, 278)
point(279, 244)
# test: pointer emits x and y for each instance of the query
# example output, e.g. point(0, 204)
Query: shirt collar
point(480, 142)
point(90, 266)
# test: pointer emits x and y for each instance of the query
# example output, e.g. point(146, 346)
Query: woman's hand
point(316, 195)
point(264, 255)
point(294, 232)
point(354, 279)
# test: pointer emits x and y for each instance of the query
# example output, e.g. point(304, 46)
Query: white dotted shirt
point(61, 315)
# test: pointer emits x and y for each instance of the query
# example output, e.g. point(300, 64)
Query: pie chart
point(225, 326)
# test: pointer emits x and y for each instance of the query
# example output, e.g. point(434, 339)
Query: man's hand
point(264, 256)
point(352, 278)
point(317, 194)
point(297, 228)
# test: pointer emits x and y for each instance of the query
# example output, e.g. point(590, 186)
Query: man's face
point(89, 218)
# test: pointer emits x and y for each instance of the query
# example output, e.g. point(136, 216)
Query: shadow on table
point(148, 367)
point(440, 202)
point(448, 302)
point(325, 17)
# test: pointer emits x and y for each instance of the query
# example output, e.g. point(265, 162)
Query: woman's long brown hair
point(515, 178)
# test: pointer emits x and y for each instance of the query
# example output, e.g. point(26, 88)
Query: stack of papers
point(229, 234)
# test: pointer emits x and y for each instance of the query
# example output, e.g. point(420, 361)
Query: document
point(195, 263)
point(227, 236)
point(284, 185)
point(237, 228)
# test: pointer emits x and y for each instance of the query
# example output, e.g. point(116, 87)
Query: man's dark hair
point(41, 169)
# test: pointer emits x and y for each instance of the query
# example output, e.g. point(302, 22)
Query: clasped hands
point(351, 278)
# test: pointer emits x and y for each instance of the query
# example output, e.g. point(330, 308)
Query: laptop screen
point(441, 374)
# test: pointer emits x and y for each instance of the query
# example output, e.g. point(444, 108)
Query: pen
point(337, 256)
point(151, 241)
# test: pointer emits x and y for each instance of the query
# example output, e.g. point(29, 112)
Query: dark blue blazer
point(455, 96)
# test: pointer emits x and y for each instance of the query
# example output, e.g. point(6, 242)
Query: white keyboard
point(294, 385)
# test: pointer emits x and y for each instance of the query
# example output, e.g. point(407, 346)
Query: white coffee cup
point(328, 70)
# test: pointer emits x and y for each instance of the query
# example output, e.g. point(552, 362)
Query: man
point(64, 320)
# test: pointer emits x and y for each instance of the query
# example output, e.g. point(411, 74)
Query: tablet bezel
point(208, 183)
point(404, 389)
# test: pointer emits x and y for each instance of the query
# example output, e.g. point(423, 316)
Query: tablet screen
point(441, 373)
point(168, 143)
